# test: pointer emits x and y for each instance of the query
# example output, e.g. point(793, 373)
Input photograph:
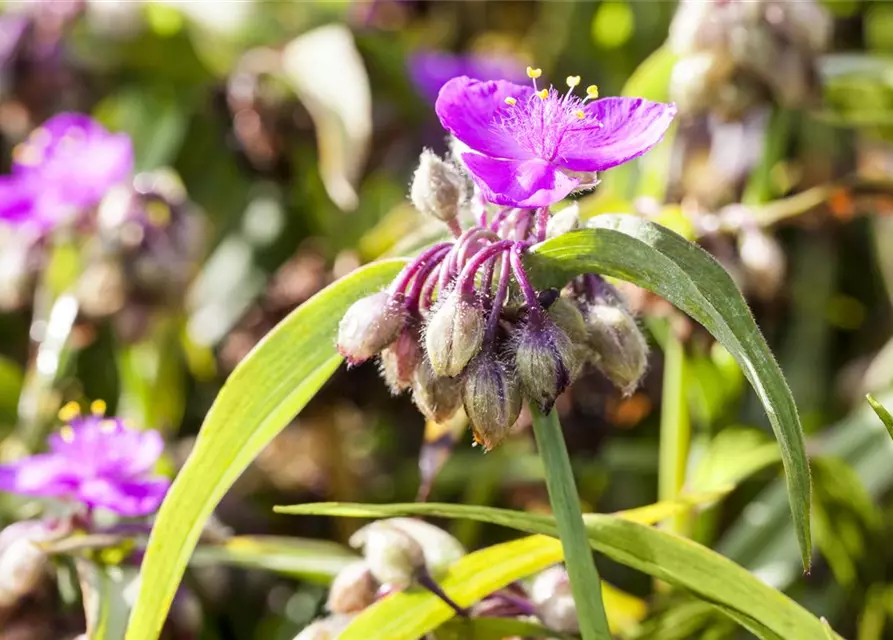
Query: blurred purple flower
point(64, 167)
point(430, 70)
point(532, 148)
point(97, 461)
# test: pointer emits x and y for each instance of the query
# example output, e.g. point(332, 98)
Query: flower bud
point(454, 334)
point(353, 589)
point(554, 603)
point(564, 221)
point(569, 319)
point(438, 187)
point(328, 628)
point(492, 399)
point(620, 348)
point(394, 557)
point(22, 562)
point(400, 360)
point(763, 261)
point(440, 548)
point(546, 361)
point(437, 397)
point(370, 325)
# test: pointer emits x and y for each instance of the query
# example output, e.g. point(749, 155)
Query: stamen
point(591, 92)
point(98, 407)
point(573, 81)
point(67, 434)
point(533, 74)
point(69, 412)
point(511, 102)
point(580, 114)
point(543, 94)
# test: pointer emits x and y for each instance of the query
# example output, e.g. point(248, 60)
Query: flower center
point(545, 123)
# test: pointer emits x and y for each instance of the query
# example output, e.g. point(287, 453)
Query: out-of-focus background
point(290, 131)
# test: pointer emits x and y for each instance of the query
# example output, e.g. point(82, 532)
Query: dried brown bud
point(454, 334)
point(763, 260)
point(22, 562)
point(370, 325)
point(353, 589)
point(492, 399)
point(440, 548)
point(400, 360)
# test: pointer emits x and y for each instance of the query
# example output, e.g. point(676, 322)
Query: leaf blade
point(268, 388)
point(663, 262)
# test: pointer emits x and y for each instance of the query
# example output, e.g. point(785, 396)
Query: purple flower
point(532, 148)
point(64, 168)
point(430, 70)
point(95, 460)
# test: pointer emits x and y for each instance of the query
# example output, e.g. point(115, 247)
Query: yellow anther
point(573, 81)
point(534, 73)
point(108, 426)
point(511, 102)
point(98, 407)
point(158, 213)
point(543, 94)
point(69, 412)
point(67, 434)
point(580, 113)
point(592, 91)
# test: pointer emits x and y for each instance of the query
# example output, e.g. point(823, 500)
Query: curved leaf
point(259, 399)
point(732, 589)
point(661, 261)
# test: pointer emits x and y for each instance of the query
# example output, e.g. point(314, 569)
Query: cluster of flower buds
point(398, 553)
point(736, 55)
point(462, 325)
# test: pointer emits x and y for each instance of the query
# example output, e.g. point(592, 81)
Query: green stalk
point(585, 582)
point(675, 431)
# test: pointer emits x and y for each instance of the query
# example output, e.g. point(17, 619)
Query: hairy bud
point(569, 319)
point(400, 360)
point(554, 603)
point(438, 187)
point(394, 557)
point(353, 589)
point(437, 397)
point(454, 334)
point(492, 399)
point(546, 361)
point(620, 348)
point(22, 563)
point(370, 325)
point(441, 549)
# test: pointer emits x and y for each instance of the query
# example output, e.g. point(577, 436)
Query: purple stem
point(427, 297)
point(534, 311)
point(403, 278)
point(505, 274)
point(499, 218)
point(426, 581)
point(412, 300)
point(449, 267)
point(471, 238)
point(542, 222)
point(522, 604)
point(465, 282)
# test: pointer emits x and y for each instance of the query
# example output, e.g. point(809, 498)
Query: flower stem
point(585, 583)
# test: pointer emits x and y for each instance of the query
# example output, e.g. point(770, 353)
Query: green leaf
point(263, 394)
point(651, 78)
point(882, 413)
point(103, 589)
point(411, 614)
point(661, 261)
point(711, 577)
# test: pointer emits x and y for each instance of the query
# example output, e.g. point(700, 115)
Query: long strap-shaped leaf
point(263, 394)
point(732, 589)
point(655, 258)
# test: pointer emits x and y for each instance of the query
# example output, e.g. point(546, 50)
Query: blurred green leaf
point(733, 455)
point(713, 578)
point(651, 79)
point(882, 413)
point(263, 394)
point(104, 589)
point(657, 259)
point(11, 379)
point(495, 629)
point(308, 559)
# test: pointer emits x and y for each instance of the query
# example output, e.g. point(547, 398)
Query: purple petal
point(130, 498)
point(45, 475)
point(469, 109)
point(430, 70)
point(16, 200)
point(629, 128)
point(519, 183)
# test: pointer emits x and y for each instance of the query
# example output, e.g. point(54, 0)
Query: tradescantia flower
point(95, 460)
point(430, 70)
point(531, 148)
point(62, 169)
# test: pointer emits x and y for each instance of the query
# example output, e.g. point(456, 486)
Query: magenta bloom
point(97, 461)
point(532, 148)
point(64, 168)
point(430, 70)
